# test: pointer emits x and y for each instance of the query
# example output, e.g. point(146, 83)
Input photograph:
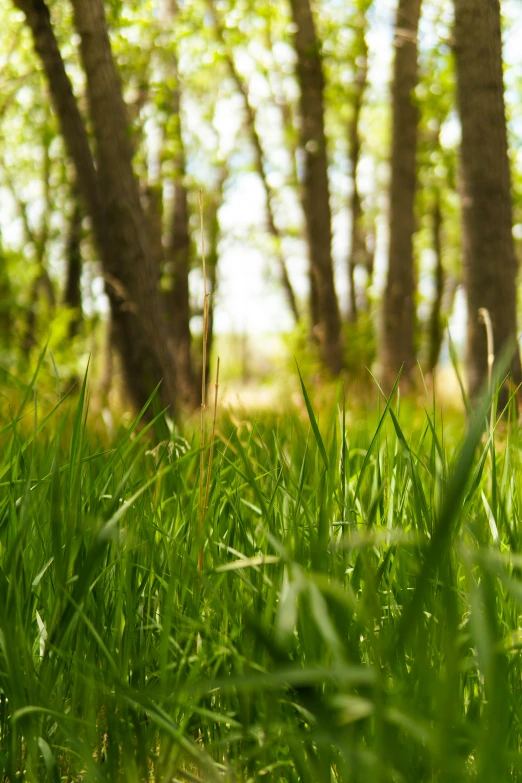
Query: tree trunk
point(73, 293)
point(178, 298)
point(490, 267)
point(396, 345)
point(260, 165)
point(133, 298)
point(435, 327)
point(178, 247)
point(358, 249)
point(119, 188)
point(107, 371)
point(214, 235)
point(315, 187)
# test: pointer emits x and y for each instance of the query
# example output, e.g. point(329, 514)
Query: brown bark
point(260, 165)
point(435, 326)
point(73, 293)
point(490, 267)
point(315, 186)
point(107, 372)
point(396, 346)
point(111, 199)
point(359, 253)
point(153, 207)
point(178, 247)
point(178, 252)
point(119, 187)
point(214, 235)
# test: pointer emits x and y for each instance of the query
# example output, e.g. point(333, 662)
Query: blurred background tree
point(326, 140)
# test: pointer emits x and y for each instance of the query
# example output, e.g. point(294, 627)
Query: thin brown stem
point(212, 438)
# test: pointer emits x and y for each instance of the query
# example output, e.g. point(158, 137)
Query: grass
point(356, 616)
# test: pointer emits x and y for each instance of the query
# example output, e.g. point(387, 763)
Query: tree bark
point(178, 298)
point(138, 320)
point(178, 244)
point(73, 293)
point(359, 253)
point(435, 327)
point(315, 187)
point(490, 268)
point(396, 345)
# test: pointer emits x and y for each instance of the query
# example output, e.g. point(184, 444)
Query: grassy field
point(355, 618)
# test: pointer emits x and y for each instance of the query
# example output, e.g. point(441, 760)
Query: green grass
point(356, 619)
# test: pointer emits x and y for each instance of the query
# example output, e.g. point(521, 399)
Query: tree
point(178, 242)
point(72, 297)
point(316, 191)
point(490, 267)
point(361, 250)
point(111, 196)
point(259, 160)
point(396, 344)
point(437, 200)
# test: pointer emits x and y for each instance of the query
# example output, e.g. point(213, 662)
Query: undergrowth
point(356, 616)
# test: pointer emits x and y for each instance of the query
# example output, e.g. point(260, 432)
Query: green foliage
point(360, 345)
point(356, 617)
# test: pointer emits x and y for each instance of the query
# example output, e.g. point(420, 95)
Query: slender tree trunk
point(214, 235)
point(435, 327)
point(396, 345)
point(295, 150)
point(73, 292)
point(177, 251)
point(260, 164)
point(153, 207)
point(358, 250)
point(490, 268)
point(139, 343)
point(315, 187)
point(29, 338)
point(107, 372)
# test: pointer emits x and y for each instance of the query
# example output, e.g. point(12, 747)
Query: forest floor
point(317, 597)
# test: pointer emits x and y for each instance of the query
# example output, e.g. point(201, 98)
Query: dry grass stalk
point(212, 440)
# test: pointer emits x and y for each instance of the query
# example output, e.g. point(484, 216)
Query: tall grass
point(356, 616)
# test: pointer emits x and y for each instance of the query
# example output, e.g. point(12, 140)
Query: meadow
point(345, 606)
